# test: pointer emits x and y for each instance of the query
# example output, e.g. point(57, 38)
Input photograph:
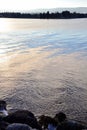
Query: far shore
point(45, 15)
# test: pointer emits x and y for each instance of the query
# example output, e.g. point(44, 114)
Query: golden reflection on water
point(50, 67)
point(21, 62)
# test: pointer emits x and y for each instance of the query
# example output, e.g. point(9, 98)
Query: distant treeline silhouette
point(45, 15)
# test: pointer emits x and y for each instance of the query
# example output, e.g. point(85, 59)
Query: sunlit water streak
point(43, 66)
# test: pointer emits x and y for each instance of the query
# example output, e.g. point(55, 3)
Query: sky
point(14, 5)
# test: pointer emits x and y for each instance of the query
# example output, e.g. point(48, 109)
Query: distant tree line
point(44, 15)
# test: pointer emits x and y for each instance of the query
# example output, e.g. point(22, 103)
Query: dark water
point(43, 66)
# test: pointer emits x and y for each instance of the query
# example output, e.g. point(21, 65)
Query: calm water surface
point(43, 66)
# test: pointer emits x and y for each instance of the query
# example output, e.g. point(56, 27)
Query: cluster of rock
point(26, 120)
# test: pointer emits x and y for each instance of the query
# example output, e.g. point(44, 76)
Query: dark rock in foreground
point(23, 116)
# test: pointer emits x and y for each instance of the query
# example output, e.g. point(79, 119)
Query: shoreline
point(44, 15)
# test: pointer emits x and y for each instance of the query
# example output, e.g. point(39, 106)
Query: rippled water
point(43, 66)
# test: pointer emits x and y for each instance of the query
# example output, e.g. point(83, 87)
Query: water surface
point(43, 66)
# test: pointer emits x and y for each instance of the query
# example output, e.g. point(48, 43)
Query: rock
point(23, 116)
